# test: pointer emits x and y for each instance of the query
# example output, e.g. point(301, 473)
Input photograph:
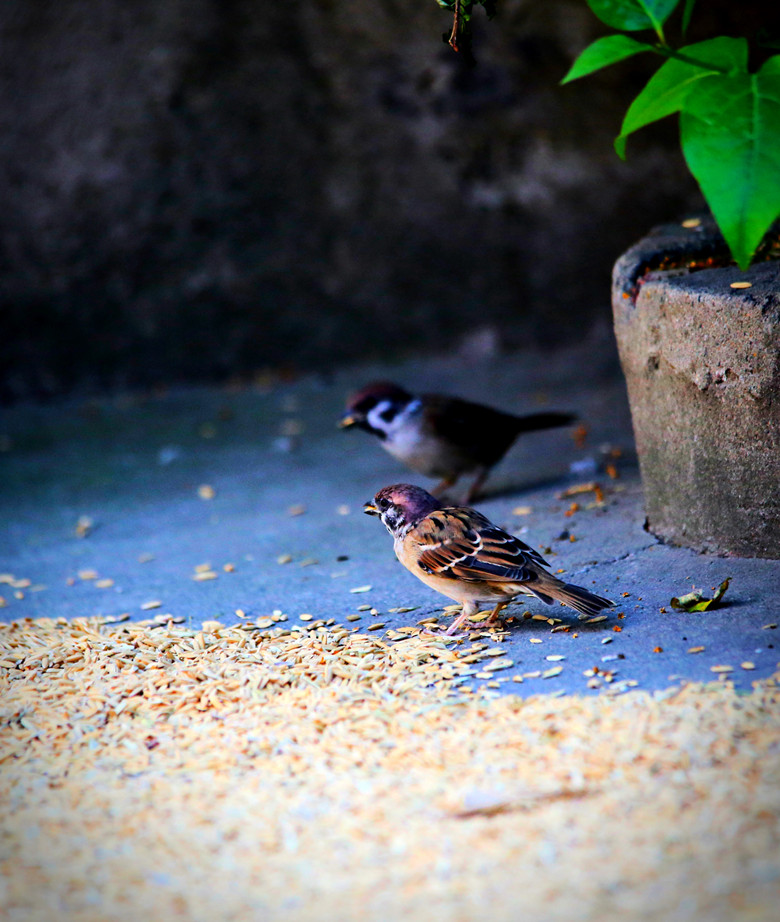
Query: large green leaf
point(633, 15)
point(730, 132)
point(669, 87)
point(605, 51)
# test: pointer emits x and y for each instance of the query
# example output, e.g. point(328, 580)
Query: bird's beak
point(370, 509)
point(346, 421)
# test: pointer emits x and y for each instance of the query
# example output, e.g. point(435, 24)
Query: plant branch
point(454, 35)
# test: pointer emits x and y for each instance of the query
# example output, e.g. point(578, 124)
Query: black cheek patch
point(379, 433)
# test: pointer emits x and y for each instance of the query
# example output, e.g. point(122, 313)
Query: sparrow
point(460, 553)
point(439, 436)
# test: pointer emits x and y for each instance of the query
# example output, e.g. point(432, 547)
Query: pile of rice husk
point(164, 773)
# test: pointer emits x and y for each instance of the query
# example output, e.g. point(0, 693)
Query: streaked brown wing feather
point(463, 544)
point(500, 547)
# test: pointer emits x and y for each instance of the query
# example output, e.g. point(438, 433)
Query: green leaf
point(603, 52)
point(686, 19)
point(697, 601)
point(633, 15)
point(668, 88)
point(730, 134)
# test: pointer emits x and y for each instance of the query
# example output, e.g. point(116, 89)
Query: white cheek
point(374, 416)
point(402, 438)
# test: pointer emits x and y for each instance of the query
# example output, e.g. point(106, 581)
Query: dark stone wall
point(193, 189)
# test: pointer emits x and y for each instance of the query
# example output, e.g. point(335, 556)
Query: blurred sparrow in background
point(438, 436)
point(463, 555)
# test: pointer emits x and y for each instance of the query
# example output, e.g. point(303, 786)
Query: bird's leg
point(493, 616)
point(469, 608)
point(476, 486)
point(444, 484)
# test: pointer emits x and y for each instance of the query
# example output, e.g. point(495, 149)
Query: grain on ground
point(222, 773)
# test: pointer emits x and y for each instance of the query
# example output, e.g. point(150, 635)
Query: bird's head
point(378, 408)
point(401, 506)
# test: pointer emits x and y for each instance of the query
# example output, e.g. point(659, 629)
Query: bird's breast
point(423, 452)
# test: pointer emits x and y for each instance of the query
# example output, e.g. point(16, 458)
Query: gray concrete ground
point(134, 466)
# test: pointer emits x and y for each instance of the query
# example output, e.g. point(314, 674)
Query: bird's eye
point(388, 415)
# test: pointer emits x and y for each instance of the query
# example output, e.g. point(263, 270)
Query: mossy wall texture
point(197, 188)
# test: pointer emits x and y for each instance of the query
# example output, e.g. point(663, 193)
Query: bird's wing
point(454, 419)
point(460, 543)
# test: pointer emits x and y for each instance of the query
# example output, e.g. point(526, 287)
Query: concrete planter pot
point(702, 366)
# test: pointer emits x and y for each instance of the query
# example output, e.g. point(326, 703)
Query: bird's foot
point(463, 616)
point(494, 619)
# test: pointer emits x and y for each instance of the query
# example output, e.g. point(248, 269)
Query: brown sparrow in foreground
point(463, 555)
point(438, 436)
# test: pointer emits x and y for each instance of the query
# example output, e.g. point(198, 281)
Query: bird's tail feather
point(535, 421)
point(586, 603)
